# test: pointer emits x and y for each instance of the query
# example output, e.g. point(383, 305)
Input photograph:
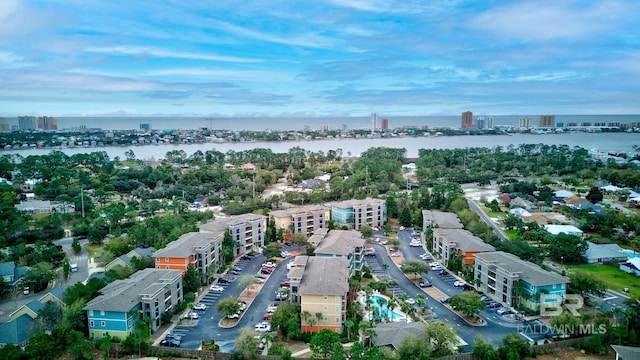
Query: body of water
point(384, 309)
point(313, 123)
point(606, 142)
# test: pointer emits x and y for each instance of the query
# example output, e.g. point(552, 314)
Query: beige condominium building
point(450, 242)
point(321, 286)
point(355, 213)
point(246, 230)
point(305, 220)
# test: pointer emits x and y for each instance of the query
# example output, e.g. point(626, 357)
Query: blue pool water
point(384, 310)
point(630, 254)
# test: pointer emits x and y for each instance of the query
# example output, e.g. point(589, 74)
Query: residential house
point(33, 206)
point(125, 260)
point(23, 322)
point(147, 294)
point(603, 253)
point(355, 213)
point(246, 230)
point(200, 250)
point(392, 334)
point(323, 292)
point(305, 220)
point(440, 219)
point(347, 244)
point(555, 230)
point(512, 281)
point(560, 195)
point(631, 266)
point(449, 242)
point(626, 352)
point(12, 274)
point(520, 212)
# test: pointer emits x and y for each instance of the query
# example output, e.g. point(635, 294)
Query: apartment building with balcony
point(512, 281)
point(355, 213)
point(301, 220)
point(449, 242)
point(321, 285)
point(200, 250)
point(347, 244)
point(147, 294)
point(246, 230)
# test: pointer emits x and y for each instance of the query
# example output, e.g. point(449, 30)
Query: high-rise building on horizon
point(47, 123)
point(27, 123)
point(524, 122)
point(480, 122)
point(374, 122)
point(547, 121)
point(490, 122)
point(145, 126)
point(467, 120)
point(384, 125)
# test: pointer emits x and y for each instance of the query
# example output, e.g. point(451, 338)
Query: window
point(91, 323)
point(166, 259)
point(325, 297)
point(325, 308)
point(166, 267)
point(101, 312)
point(479, 267)
point(103, 324)
point(338, 298)
point(337, 309)
point(504, 281)
point(337, 320)
point(90, 312)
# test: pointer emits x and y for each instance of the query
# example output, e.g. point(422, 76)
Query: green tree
point(75, 245)
point(567, 248)
point(414, 267)
point(366, 231)
point(79, 347)
point(405, 216)
point(468, 303)
point(228, 306)
point(246, 344)
point(483, 350)
point(415, 348)
point(513, 345)
point(583, 283)
point(48, 315)
point(323, 343)
point(595, 195)
point(39, 276)
point(442, 337)
point(191, 280)
point(271, 251)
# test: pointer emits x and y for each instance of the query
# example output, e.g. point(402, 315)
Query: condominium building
point(47, 123)
point(321, 285)
point(147, 294)
point(246, 230)
point(305, 220)
point(200, 250)
point(355, 213)
point(467, 120)
point(27, 123)
point(524, 122)
point(450, 242)
point(547, 121)
point(512, 281)
point(444, 220)
point(347, 244)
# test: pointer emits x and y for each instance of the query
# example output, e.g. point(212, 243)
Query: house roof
point(604, 251)
point(626, 352)
point(574, 200)
point(446, 220)
point(184, 246)
point(340, 242)
point(463, 240)
point(633, 263)
point(519, 212)
point(304, 210)
point(123, 295)
point(554, 229)
point(563, 194)
point(393, 333)
point(7, 268)
point(19, 330)
point(223, 224)
point(527, 271)
point(325, 276)
point(357, 203)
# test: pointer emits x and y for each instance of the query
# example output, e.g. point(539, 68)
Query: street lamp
point(561, 260)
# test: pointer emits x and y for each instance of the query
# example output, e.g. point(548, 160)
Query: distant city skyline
point(318, 58)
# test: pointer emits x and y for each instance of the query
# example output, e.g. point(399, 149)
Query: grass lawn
point(511, 234)
point(615, 278)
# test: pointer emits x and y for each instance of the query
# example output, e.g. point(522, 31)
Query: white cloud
point(139, 50)
point(9, 60)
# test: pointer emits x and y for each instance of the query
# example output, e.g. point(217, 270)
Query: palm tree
point(319, 317)
point(349, 324)
point(381, 302)
point(385, 266)
point(305, 315)
point(371, 332)
point(420, 301)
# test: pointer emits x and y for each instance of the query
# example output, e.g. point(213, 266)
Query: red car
point(267, 316)
point(285, 284)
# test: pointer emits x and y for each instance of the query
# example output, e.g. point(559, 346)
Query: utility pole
point(82, 200)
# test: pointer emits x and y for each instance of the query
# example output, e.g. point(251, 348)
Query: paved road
point(487, 220)
point(496, 327)
point(207, 326)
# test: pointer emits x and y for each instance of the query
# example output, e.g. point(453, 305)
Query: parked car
point(444, 300)
point(233, 316)
point(267, 316)
point(285, 284)
point(269, 264)
point(410, 301)
point(171, 342)
point(200, 306)
point(459, 283)
point(424, 284)
point(272, 308)
point(263, 327)
point(504, 311)
point(224, 280)
point(495, 305)
point(216, 288)
point(243, 305)
point(192, 315)
point(395, 254)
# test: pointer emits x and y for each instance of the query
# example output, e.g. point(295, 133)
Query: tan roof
point(222, 224)
point(184, 246)
point(528, 271)
point(325, 276)
point(297, 210)
point(340, 242)
point(463, 239)
point(355, 203)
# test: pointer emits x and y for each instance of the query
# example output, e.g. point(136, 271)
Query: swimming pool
point(630, 254)
point(383, 310)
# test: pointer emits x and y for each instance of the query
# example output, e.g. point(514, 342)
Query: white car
point(459, 283)
point(216, 288)
point(233, 316)
point(434, 265)
point(263, 327)
point(410, 301)
point(269, 265)
point(395, 254)
point(415, 244)
point(192, 315)
point(199, 306)
point(272, 309)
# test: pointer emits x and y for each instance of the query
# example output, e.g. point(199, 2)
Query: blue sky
point(321, 57)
